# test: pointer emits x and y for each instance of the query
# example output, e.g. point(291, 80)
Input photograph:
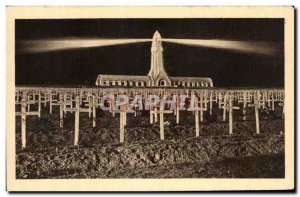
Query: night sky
point(81, 66)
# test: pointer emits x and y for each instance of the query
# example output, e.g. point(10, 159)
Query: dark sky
point(81, 66)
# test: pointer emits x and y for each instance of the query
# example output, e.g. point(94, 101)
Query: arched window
point(162, 82)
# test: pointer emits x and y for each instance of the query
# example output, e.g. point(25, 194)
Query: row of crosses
point(87, 102)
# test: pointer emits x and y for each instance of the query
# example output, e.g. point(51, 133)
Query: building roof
point(123, 77)
point(193, 79)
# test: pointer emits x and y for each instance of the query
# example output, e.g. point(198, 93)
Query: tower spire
point(157, 74)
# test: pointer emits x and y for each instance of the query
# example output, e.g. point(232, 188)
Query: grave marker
point(24, 103)
point(256, 105)
point(230, 107)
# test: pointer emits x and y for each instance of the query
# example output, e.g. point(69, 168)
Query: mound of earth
point(51, 154)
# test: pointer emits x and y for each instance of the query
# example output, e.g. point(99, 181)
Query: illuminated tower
point(157, 74)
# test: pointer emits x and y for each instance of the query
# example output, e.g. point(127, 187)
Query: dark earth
point(215, 154)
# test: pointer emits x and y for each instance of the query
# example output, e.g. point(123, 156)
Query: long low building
point(141, 81)
point(157, 76)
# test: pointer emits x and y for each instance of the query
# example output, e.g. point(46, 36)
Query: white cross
point(77, 111)
point(153, 112)
point(196, 108)
point(123, 120)
point(282, 105)
point(111, 102)
point(224, 107)
point(161, 120)
point(211, 100)
point(202, 105)
point(245, 101)
point(176, 110)
point(23, 115)
point(256, 105)
point(230, 107)
point(269, 99)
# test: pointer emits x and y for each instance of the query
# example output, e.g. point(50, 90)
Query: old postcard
point(150, 98)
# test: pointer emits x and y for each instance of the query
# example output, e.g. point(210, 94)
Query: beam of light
point(39, 46)
point(259, 47)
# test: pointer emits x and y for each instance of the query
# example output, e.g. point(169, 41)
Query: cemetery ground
point(50, 152)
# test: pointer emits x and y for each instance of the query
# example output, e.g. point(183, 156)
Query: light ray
point(260, 48)
point(39, 46)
